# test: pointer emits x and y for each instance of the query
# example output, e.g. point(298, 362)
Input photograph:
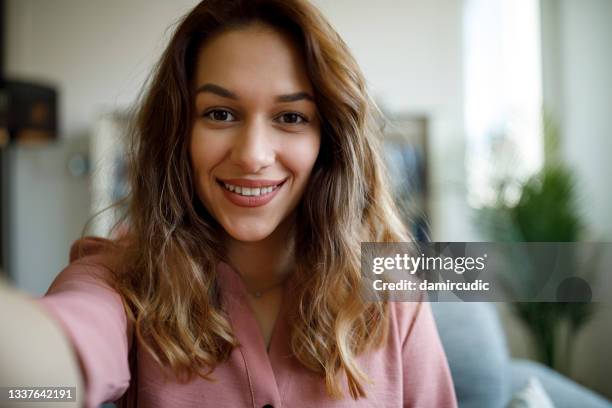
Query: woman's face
point(256, 134)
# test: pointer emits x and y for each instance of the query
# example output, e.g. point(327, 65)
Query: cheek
point(302, 154)
point(204, 153)
point(205, 150)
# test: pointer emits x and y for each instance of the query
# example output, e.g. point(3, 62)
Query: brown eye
point(292, 118)
point(219, 115)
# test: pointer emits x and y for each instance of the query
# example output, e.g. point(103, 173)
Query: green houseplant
point(545, 211)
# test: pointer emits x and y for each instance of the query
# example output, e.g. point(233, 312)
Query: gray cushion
point(477, 353)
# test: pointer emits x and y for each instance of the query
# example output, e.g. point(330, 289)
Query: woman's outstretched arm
point(92, 318)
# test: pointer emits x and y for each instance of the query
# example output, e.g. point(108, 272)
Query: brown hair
point(168, 273)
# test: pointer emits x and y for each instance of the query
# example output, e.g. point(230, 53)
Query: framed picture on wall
point(406, 158)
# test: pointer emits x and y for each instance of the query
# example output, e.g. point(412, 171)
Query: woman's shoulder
point(92, 245)
point(405, 316)
point(104, 251)
point(91, 258)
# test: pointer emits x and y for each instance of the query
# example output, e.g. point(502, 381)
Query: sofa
point(484, 374)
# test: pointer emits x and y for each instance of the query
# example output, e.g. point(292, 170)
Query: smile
point(250, 193)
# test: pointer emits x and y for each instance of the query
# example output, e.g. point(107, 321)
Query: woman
point(255, 175)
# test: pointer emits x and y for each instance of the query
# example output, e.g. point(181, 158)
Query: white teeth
point(250, 191)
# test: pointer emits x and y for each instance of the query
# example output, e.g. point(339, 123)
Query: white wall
point(99, 53)
point(578, 89)
point(586, 104)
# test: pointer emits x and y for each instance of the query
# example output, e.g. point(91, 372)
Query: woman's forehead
point(256, 58)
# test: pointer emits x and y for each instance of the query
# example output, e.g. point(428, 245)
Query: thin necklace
point(259, 293)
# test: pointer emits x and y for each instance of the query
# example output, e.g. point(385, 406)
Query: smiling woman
point(258, 122)
point(256, 173)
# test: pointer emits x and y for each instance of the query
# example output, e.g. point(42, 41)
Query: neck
point(264, 263)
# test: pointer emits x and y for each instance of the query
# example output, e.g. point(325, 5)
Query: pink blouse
point(409, 371)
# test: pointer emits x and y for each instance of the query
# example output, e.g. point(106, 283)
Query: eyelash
point(303, 119)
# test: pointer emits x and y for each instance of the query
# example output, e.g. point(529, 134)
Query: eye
point(293, 118)
point(219, 115)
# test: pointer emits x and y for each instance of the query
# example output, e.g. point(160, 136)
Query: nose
point(253, 149)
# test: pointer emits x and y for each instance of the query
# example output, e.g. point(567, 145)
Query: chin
point(248, 233)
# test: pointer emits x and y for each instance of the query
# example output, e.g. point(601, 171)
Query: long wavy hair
point(166, 273)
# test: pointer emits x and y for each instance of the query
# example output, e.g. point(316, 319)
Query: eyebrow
point(226, 93)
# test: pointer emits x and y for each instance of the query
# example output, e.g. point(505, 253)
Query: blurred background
point(497, 109)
